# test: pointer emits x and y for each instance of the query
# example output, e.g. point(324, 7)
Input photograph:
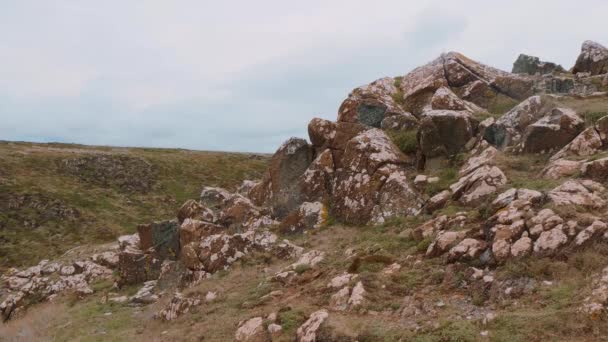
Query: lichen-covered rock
point(521, 247)
point(279, 189)
point(552, 132)
point(400, 122)
point(585, 193)
point(194, 230)
point(443, 242)
point(593, 59)
point(445, 132)
point(444, 98)
point(507, 197)
point(178, 306)
point(438, 201)
point(596, 304)
point(561, 168)
point(467, 249)
point(585, 144)
point(214, 198)
point(341, 280)
point(239, 211)
point(162, 238)
point(309, 215)
point(195, 210)
point(508, 129)
point(477, 186)
point(317, 182)
point(307, 332)
point(252, 330)
point(357, 296)
point(596, 170)
point(486, 156)
point(370, 163)
point(595, 230)
point(550, 241)
point(525, 64)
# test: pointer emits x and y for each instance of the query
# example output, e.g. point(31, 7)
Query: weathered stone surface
point(307, 332)
point(443, 242)
point(161, 237)
point(194, 230)
point(317, 182)
point(438, 201)
point(477, 186)
point(486, 156)
point(552, 132)
point(238, 211)
point(585, 193)
point(214, 198)
point(341, 280)
point(445, 132)
point(596, 170)
point(195, 210)
point(321, 132)
point(444, 98)
point(309, 215)
point(400, 122)
point(280, 189)
point(360, 193)
point(252, 330)
point(507, 197)
point(549, 241)
point(595, 230)
point(508, 129)
point(593, 59)
point(595, 305)
point(560, 168)
point(585, 144)
point(531, 65)
point(467, 249)
point(521, 247)
point(178, 306)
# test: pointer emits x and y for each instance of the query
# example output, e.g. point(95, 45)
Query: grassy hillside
point(54, 197)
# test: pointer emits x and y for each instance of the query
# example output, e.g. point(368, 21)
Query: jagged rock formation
point(531, 65)
point(593, 59)
point(354, 171)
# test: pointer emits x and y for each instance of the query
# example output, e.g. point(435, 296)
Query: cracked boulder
point(445, 132)
point(552, 132)
point(279, 188)
point(474, 188)
point(370, 162)
point(309, 215)
point(593, 59)
point(585, 193)
point(530, 65)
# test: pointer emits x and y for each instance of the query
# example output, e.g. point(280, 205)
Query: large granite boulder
point(445, 131)
point(370, 162)
point(279, 189)
point(552, 132)
point(531, 65)
point(593, 59)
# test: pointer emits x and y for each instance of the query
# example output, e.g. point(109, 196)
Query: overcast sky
point(243, 75)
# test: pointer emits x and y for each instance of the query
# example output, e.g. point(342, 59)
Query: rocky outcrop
point(593, 59)
point(584, 193)
point(279, 189)
point(531, 65)
point(309, 215)
point(307, 332)
point(178, 306)
point(445, 132)
point(535, 125)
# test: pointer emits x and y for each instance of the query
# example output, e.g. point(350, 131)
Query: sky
point(244, 75)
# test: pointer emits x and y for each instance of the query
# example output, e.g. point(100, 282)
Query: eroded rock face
point(593, 59)
point(370, 162)
point(445, 132)
point(587, 143)
point(585, 193)
point(252, 330)
point(531, 65)
point(309, 215)
point(560, 168)
point(178, 306)
point(552, 132)
point(307, 332)
point(596, 170)
point(477, 186)
point(279, 189)
point(195, 210)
